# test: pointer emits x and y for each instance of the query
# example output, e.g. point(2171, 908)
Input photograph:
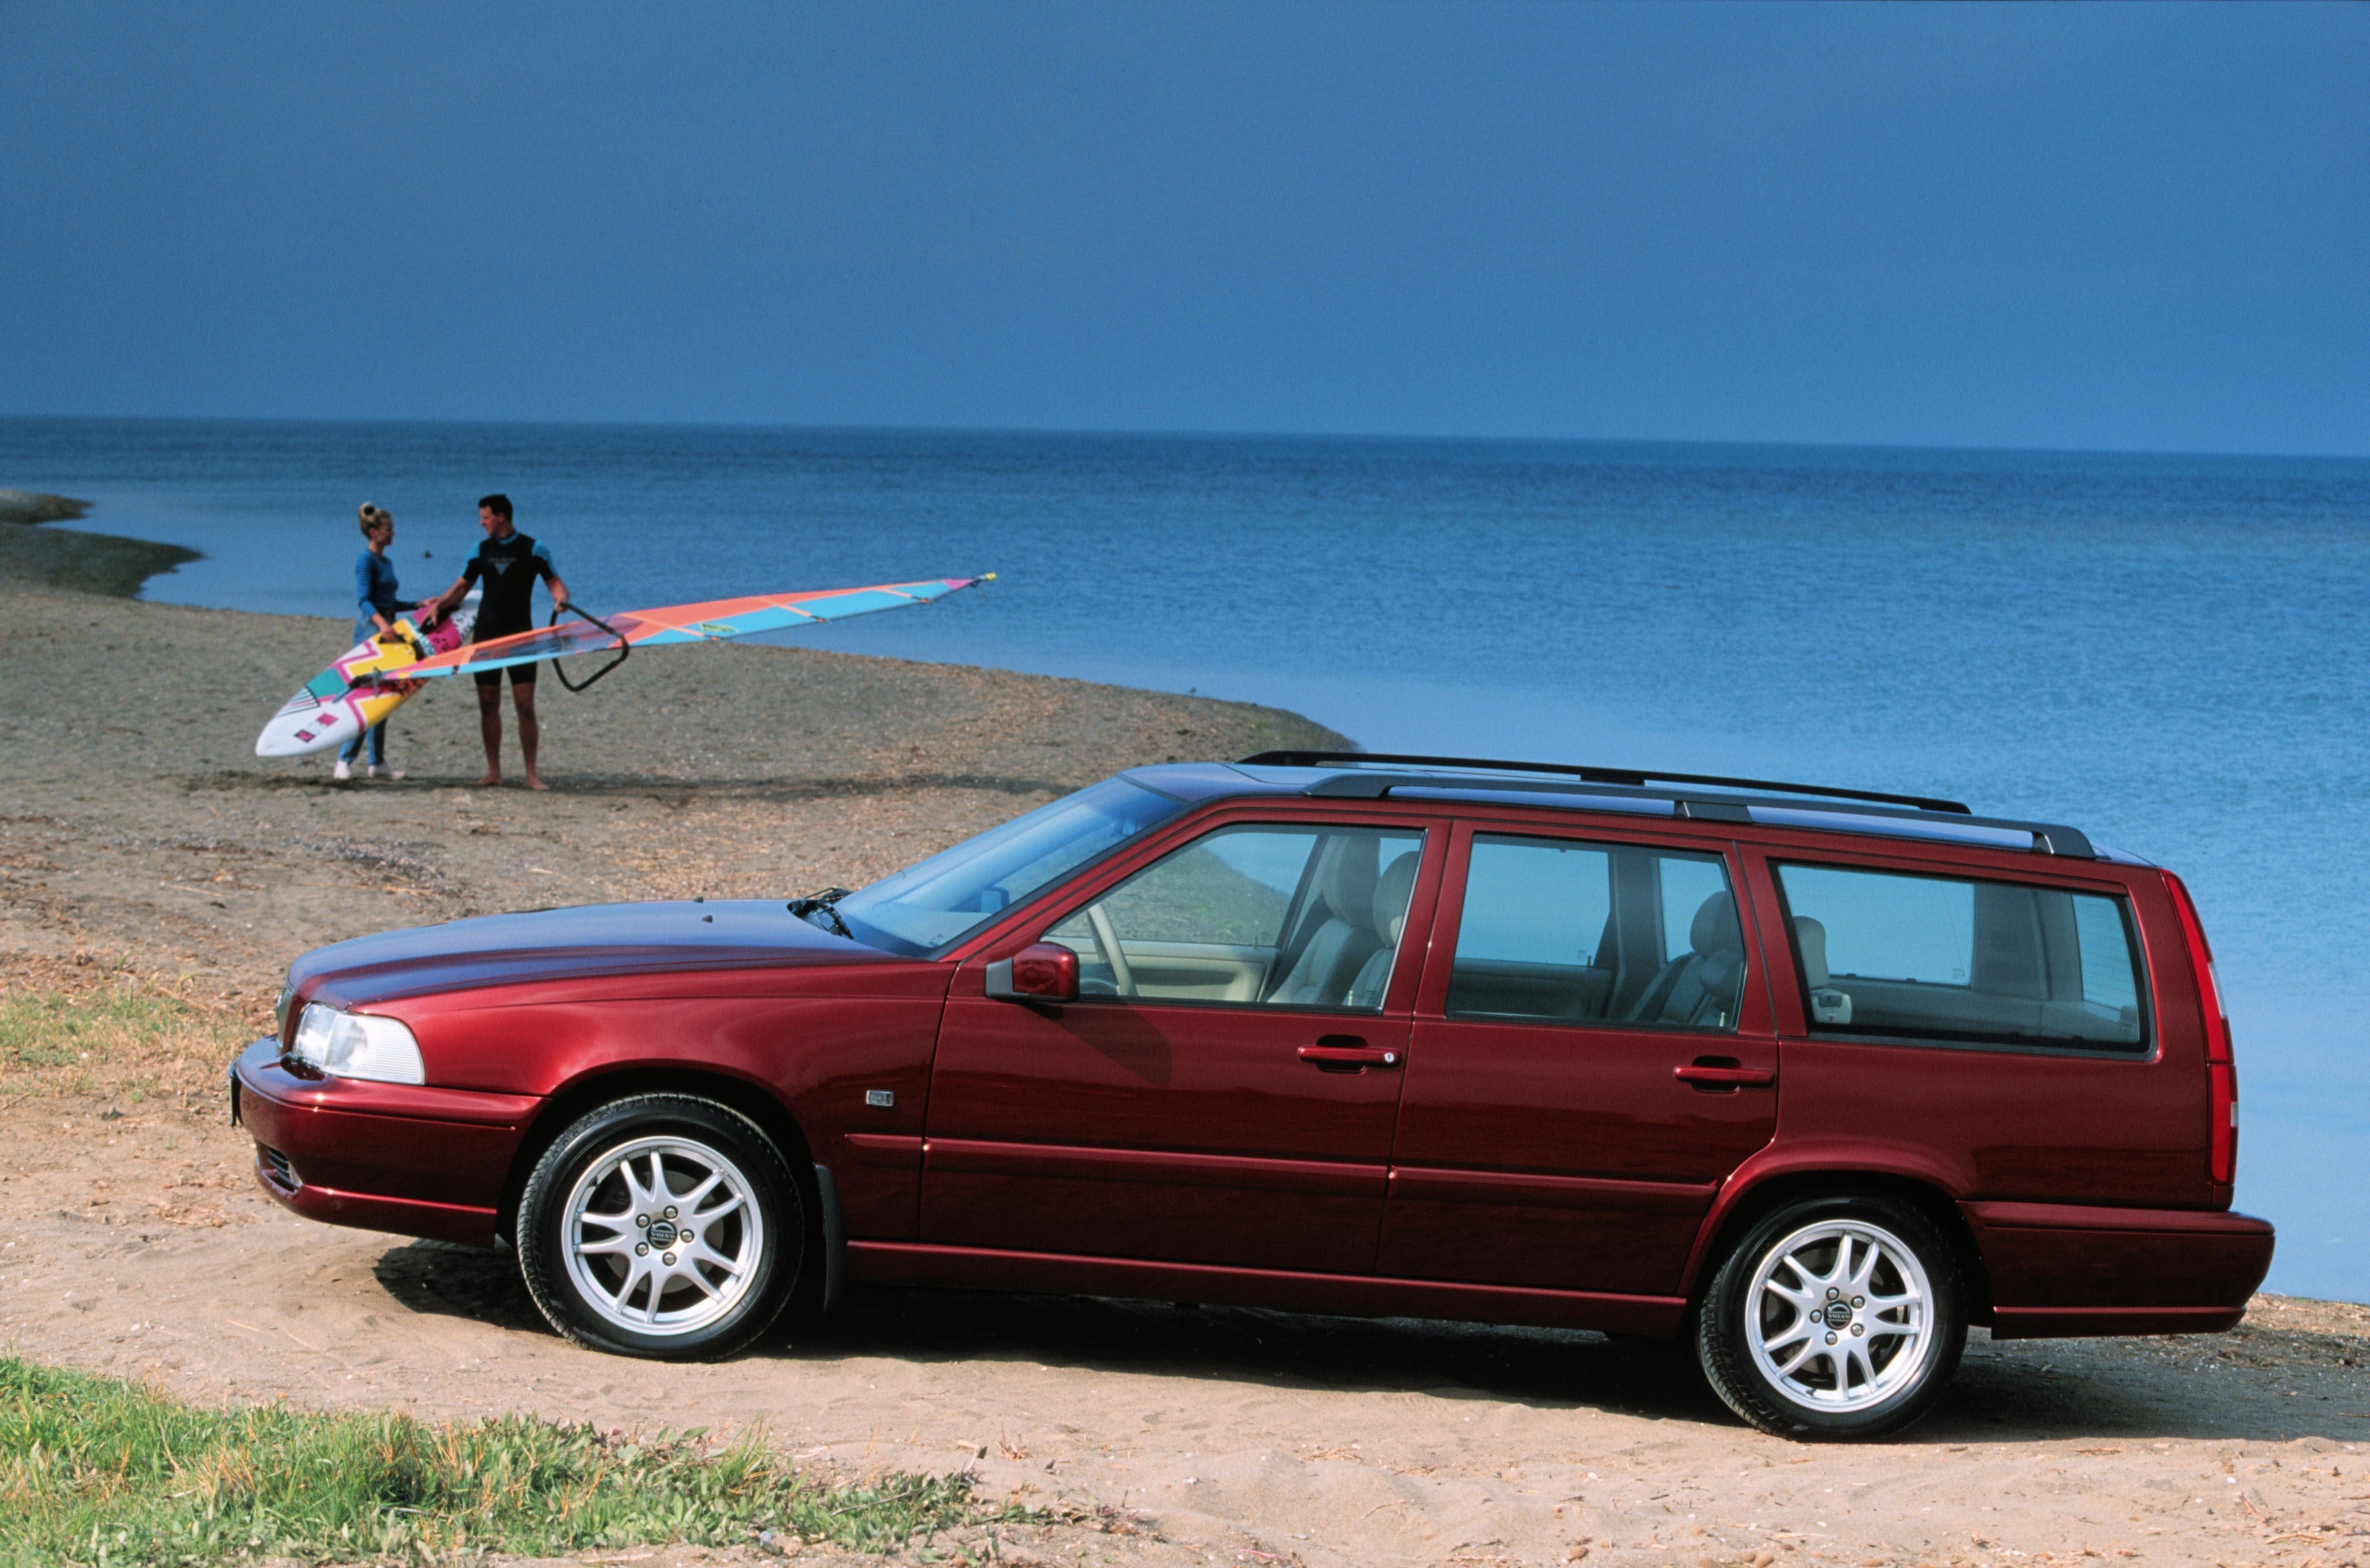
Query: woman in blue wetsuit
point(377, 606)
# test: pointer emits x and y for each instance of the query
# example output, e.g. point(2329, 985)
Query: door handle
point(1724, 1075)
point(1346, 1053)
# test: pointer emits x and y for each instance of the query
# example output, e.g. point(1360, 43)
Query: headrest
point(1391, 890)
point(1810, 941)
point(1346, 877)
point(1715, 928)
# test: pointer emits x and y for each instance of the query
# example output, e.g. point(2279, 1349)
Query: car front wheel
point(663, 1225)
point(1835, 1318)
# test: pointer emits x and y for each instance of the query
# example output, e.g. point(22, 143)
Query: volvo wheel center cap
point(663, 1235)
point(1837, 1314)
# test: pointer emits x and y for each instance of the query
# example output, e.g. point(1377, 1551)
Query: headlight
point(353, 1045)
point(286, 1000)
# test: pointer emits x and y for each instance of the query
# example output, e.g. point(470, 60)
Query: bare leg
point(490, 728)
point(530, 732)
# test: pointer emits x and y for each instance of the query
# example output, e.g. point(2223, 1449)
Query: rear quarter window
point(1963, 959)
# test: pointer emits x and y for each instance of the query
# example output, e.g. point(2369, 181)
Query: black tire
point(1887, 1379)
point(690, 1309)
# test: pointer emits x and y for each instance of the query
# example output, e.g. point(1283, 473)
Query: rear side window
point(1558, 932)
point(1946, 958)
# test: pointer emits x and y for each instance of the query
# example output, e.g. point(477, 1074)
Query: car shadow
point(1541, 1367)
point(2183, 1387)
point(1548, 1366)
point(2025, 1391)
point(442, 1279)
point(2021, 1392)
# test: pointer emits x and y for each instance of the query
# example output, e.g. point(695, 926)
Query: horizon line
point(1135, 432)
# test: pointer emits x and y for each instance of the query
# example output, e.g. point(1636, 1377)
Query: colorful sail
point(713, 621)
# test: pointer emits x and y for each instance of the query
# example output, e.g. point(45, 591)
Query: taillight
point(2224, 1167)
point(2221, 1066)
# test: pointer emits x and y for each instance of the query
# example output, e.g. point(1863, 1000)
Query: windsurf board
point(362, 687)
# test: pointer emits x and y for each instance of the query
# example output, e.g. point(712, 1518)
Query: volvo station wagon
point(1806, 1080)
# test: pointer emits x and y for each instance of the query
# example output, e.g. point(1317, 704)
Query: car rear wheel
point(663, 1225)
point(1835, 1318)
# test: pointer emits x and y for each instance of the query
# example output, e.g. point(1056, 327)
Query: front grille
point(282, 1171)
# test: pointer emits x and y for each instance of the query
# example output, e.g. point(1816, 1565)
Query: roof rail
point(1630, 777)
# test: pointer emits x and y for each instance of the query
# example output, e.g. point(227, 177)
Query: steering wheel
point(1109, 941)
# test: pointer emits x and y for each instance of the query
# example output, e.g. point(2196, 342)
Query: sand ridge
point(142, 849)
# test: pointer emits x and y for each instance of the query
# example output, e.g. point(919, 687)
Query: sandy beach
point(158, 878)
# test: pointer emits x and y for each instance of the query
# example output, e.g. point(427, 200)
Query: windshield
point(926, 907)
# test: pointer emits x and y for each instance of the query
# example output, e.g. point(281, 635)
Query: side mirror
point(1044, 971)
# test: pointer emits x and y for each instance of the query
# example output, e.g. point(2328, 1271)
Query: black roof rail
point(1630, 778)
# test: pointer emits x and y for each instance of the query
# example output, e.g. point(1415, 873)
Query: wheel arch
point(1730, 1219)
point(563, 1109)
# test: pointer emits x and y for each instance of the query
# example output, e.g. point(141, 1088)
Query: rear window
point(1949, 958)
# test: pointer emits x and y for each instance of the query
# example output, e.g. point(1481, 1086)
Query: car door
point(1226, 1089)
point(1591, 1055)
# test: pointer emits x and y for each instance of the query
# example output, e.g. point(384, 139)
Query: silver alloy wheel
point(1840, 1316)
point(663, 1235)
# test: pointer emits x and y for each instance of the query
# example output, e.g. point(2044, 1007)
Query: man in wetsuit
point(506, 566)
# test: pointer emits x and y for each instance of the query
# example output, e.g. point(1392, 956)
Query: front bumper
point(2061, 1269)
point(379, 1156)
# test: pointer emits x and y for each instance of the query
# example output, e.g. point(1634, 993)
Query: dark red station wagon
point(1813, 1078)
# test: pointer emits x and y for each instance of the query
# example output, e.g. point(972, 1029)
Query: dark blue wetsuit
point(506, 572)
point(375, 592)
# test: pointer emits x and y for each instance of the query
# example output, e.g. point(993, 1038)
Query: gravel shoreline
point(36, 505)
point(31, 556)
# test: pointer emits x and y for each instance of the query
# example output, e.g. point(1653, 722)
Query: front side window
point(1950, 958)
point(1274, 915)
point(1559, 932)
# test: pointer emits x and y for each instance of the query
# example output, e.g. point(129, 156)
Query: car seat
point(1828, 1005)
point(1392, 890)
point(1329, 960)
point(1699, 987)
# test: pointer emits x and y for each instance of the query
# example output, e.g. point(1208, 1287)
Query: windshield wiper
point(821, 904)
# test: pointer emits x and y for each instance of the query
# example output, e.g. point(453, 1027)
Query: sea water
point(2165, 651)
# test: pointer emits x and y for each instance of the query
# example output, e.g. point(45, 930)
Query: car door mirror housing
point(1043, 971)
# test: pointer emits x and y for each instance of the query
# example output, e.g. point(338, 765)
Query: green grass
point(96, 1471)
point(115, 1040)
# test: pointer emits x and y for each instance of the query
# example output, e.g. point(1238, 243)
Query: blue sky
point(2119, 226)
